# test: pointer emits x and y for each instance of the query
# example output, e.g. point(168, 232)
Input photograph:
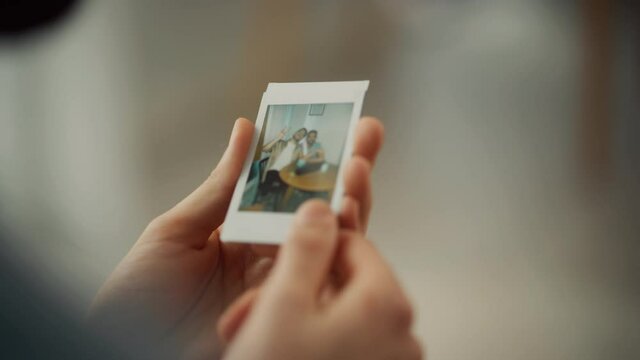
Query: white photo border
point(270, 227)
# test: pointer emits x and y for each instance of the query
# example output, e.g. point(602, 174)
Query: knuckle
point(158, 223)
point(371, 301)
point(395, 308)
point(401, 313)
point(168, 223)
point(311, 241)
point(285, 299)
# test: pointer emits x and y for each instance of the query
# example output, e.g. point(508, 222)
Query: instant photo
point(303, 137)
point(297, 157)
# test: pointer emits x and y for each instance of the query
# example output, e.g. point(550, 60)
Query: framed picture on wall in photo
point(303, 137)
point(316, 109)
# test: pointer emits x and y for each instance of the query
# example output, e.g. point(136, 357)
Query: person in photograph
point(281, 154)
point(282, 151)
point(310, 154)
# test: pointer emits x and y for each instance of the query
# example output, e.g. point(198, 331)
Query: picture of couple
point(297, 156)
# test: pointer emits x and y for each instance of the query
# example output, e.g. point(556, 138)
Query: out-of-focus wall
point(507, 249)
point(70, 176)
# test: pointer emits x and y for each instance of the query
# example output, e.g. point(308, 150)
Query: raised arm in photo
point(269, 146)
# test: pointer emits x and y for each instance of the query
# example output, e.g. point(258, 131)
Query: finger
point(236, 258)
point(413, 349)
point(369, 138)
point(258, 271)
point(349, 216)
point(233, 318)
point(357, 184)
point(401, 346)
point(340, 272)
point(204, 209)
point(305, 259)
point(259, 263)
point(367, 274)
point(363, 261)
point(370, 290)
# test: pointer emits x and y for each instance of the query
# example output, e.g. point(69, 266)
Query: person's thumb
point(204, 209)
point(305, 259)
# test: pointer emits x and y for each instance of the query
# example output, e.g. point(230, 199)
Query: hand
point(299, 313)
point(178, 278)
point(282, 133)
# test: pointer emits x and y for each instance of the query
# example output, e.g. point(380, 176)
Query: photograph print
point(297, 157)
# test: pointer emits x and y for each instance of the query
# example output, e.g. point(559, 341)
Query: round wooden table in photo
point(316, 181)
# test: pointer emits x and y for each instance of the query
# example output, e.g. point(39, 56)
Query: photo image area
point(297, 156)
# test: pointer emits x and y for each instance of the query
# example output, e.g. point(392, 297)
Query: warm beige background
point(507, 249)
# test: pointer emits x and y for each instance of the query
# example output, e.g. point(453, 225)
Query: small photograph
point(304, 134)
point(297, 157)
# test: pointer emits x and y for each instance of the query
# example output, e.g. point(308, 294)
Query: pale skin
point(202, 294)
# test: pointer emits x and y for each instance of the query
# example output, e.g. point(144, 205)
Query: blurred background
point(507, 194)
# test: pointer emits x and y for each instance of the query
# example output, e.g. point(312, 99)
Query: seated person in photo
point(310, 155)
point(281, 155)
